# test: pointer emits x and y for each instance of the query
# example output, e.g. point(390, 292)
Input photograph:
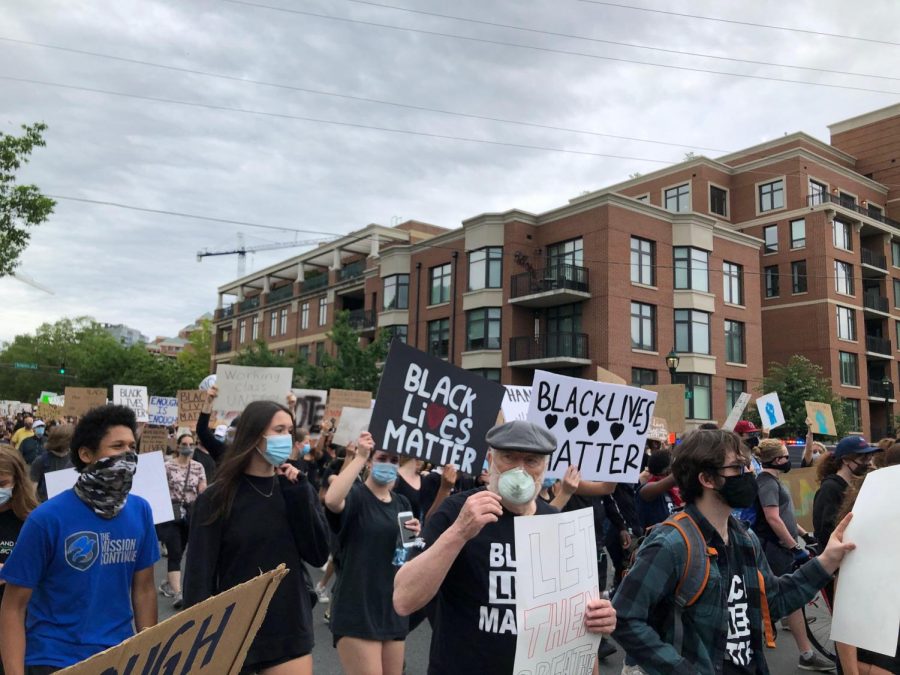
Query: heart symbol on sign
point(435, 415)
point(616, 429)
point(550, 421)
point(592, 427)
point(571, 423)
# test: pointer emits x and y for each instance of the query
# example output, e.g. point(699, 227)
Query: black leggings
point(174, 535)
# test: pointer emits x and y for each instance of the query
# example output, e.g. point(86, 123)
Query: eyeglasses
point(742, 468)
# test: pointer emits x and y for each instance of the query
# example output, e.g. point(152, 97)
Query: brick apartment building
point(782, 248)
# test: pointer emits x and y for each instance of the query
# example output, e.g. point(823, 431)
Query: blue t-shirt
point(80, 568)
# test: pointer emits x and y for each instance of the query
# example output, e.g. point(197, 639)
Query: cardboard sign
point(133, 397)
point(154, 439)
point(240, 385)
point(310, 409)
point(600, 428)
point(190, 403)
point(431, 410)
point(353, 422)
point(47, 412)
point(736, 411)
point(515, 403)
point(867, 602)
point(658, 430)
point(150, 482)
point(163, 411)
point(604, 375)
point(211, 638)
point(770, 412)
point(803, 485)
point(79, 400)
point(670, 405)
point(338, 399)
point(821, 417)
point(555, 571)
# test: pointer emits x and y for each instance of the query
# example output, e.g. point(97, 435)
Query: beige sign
point(154, 439)
point(604, 375)
point(802, 484)
point(669, 405)
point(658, 430)
point(47, 412)
point(190, 402)
point(338, 399)
point(821, 417)
point(81, 399)
point(211, 638)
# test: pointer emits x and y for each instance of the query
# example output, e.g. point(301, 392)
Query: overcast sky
point(124, 266)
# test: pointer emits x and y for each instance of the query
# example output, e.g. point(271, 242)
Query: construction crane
point(241, 251)
point(28, 281)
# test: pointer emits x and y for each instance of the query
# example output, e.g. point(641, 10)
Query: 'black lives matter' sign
point(600, 428)
point(431, 410)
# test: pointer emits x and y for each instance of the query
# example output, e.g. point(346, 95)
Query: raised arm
point(340, 486)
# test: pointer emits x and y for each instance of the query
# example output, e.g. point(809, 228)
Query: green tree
point(258, 354)
point(196, 358)
point(797, 381)
point(21, 206)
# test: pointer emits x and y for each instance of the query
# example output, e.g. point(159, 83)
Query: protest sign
point(670, 405)
point(46, 396)
point(240, 385)
point(658, 430)
point(154, 439)
point(770, 413)
point(515, 403)
point(310, 409)
point(149, 482)
point(353, 422)
point(821, 417)
point(207, 382)
point(555, 578)
point(190, 403)
point(210, 638)
point(47, 412)
point(604, 375)
point(600, 428)
point(736, 411)
point(163, 411)
point(81, 399)
point(338, 399)
point(434, 411)
point(132, 397)
point(802, 484)
point(867, 603)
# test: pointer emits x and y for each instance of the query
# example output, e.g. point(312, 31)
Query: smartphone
point(407, 537)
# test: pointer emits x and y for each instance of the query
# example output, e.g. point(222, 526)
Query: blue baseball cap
point(853, 445)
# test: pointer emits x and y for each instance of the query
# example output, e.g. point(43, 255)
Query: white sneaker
point(632, 670)
point(322, 594)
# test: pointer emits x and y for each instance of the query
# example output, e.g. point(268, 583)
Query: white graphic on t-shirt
point(499, 615)
point(737, 644)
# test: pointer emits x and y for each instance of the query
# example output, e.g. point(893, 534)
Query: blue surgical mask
point(548, 483)
point(39, 431)
point(305, 450)
point(5, 495)
point(278, 449)
point(384, 472)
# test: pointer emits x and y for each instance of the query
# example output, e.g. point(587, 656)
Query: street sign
point(27, 366)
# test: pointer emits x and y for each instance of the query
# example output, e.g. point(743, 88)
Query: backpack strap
point(768, 624)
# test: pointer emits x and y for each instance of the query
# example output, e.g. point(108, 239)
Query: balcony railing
point(873, 259)
point(549, 346)
point(553, 278)
point(826, 198)
point(353, 270)
point(877, 345)
point(223, 346)
point(363, 319)
point(226, 312)
point(876, 389)
point(279, 294)
point(876, 302)
point(318, 281)
point(248, 304)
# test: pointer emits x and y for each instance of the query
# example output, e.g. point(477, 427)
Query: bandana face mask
point(105, 484)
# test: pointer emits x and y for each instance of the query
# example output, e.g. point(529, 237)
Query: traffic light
point(62, 369)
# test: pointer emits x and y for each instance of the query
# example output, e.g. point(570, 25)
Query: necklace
point(271, 492)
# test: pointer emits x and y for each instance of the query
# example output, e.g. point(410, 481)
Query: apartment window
point(846, 323)
point(396, 291)
point(483, 328)
point(691, 269)
point(843, 235)
point(304, 316)
point(798, 233)
point(734, 342)
point(566, 253)
point(273, 324)
point(486, 268)
point(242, 331)
point(643, 326)
point(771, 196)
point(641, 377)
point(323, 311)
point(320, 352)
point(440, 284)
point(896, 293)
point(843, 277)
point(847, 200)
point(798, 276)
point(849, 368)
point(895, 253)
point(303, 354)
point(678, 199)
point(439, 338)
point(718, 200)
point(697, 395)
point(492, 374)
point(853, 413)
point(564, 319)
point(284, 318)
point(817, 192)
point(770, 274)
point(643, 261)
point(875, 212)
point(897, 331)
point(691, 331)
point(254, 323)
point(770, 236)
point(280, 352)
point(733, 391)
point(733, 280)
point(398, 332)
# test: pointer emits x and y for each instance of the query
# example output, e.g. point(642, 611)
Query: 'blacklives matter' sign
point(600, 428)
point(433, 411)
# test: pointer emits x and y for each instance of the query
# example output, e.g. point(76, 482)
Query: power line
point(559, 51)
point(319, 92)
point(743, 23)
point(615, 43)
point(302, 118)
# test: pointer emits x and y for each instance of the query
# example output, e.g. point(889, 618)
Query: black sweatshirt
point(213, 445)
point(826, 505)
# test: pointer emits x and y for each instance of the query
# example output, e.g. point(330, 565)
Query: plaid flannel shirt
point(645, 607)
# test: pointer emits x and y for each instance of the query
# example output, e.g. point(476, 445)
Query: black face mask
point(859, 469)
point(784, 468)
point(752, 441)
point(739, 492)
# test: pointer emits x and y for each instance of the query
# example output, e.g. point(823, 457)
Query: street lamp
point(887, 388)
point(672, 360)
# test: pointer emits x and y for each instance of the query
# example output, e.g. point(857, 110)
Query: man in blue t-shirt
point(82, 568)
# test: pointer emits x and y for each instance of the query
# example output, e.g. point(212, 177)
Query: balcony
point(825, 198)
point(877, 391)
point(363, 320)
point(873, 262)
point(353, 270)
point(225, 312)
point(875, 303)
point(553, 350)
point(248, 304)
point(878, 346)
point(280, 294)
point(223, 346)
point(316, 282)
point(555, 285)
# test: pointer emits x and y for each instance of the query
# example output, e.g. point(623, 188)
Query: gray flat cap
point(521, 436)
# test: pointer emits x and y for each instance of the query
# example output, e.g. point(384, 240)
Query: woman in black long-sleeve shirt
point(252, 519)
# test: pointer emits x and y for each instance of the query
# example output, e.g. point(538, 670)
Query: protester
point(187, 480)
point(813, 450)
point(678, 616)
point(253, 519)
point(206, 461)
point(17, 500)
point(32, 446)
point(852, 457)
point(455, 567)
point(658, 497)
point(214, 446)
point(23, 432)
point(409, 483)
point(83, 564)
point(56, 456)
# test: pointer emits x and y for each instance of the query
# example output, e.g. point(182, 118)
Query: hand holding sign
point(600, 616)
point(365, 445)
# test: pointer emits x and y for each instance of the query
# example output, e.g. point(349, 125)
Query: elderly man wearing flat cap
point(468, 566)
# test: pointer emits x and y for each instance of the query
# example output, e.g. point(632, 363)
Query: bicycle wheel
point(817, 618)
